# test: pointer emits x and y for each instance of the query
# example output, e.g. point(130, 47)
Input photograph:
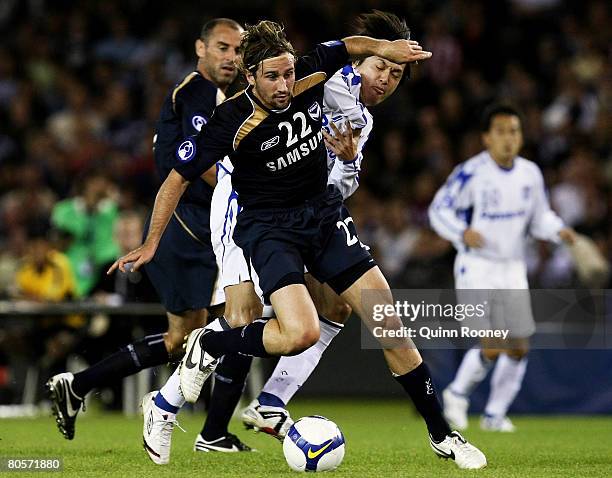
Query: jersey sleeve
point(545, 224)
point(345, 175)
point(197, 154)
point(447, 211)
point(339, 99)
point(327, 57)
point(194, 108)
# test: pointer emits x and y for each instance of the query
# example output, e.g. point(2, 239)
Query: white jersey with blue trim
point(341, 104)
point(503, 205)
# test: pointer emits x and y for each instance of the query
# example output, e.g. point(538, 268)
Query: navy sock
point(162, 403)
point(230, 378)
point(247, 340)
point(419, 385)
point(144, 353)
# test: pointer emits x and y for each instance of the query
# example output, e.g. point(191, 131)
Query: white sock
point(171, 391)
point(291, 372)
point(473, 369)
point(506, 382)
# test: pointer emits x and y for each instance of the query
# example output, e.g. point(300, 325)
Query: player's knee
point(518, 353)
point(490, 353)
point(339, 312)
point(302, 340)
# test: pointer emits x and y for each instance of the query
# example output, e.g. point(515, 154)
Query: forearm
point(166, 200)
point(359, 47)
point(210, 176)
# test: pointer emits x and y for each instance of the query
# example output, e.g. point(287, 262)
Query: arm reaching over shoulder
point(166, 200)
point(398, 51)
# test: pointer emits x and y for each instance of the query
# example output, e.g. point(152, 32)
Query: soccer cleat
point(196, 366)
point(455, 447)
point(274, 421)
point(157, 430)
point(65, 404)
point(497, 424)
point(226, 444)
point(455, 409)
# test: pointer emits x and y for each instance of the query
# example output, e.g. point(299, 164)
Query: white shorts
point(503, 285)
point(233, 267)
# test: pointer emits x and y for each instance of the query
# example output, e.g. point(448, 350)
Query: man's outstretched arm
point(398, 51)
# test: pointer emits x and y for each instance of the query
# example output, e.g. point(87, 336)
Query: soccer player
point(290, 218)
point(341, 107)
point(183, 270)
point(485, 209)
point(348, 94)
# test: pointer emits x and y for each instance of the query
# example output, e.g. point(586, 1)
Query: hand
point(404, 51)
point(473, 238)
point(343, 145)
point(139, 256)
point(567, 235)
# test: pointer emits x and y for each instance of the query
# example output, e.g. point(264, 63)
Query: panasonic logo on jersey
point(270, 143)
point(297, 153)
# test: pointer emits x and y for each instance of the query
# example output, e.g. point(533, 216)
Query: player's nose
point(384, 76)
point(283, 85)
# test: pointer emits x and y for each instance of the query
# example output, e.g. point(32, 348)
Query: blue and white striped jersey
point(340, 104)
point(503, 205)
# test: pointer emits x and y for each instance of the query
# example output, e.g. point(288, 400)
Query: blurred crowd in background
point(82, 83)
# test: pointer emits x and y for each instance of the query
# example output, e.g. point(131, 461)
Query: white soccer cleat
point(229, 443)
point(157, 430)
point(455, 447)
point(274, 421)
point(455, 409)
point(196, 366)
point(492, 423)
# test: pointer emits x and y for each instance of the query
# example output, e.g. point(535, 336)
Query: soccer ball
point(314, 444)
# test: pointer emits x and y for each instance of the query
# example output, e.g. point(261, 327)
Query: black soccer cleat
point(65, 404)
point(229, 443)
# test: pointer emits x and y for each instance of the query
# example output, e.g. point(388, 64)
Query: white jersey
point(503, 205)
point(340, 104)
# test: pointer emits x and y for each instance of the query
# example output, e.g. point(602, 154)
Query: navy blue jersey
point(187, 108)
point(279, 157)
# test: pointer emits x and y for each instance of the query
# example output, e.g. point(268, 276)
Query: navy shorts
point(319, 234)
point(183, 270)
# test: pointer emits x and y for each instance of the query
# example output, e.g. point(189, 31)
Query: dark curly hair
point(262, 41)
point(384, 26)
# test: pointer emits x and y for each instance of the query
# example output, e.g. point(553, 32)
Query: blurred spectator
point(87, 221)
point(45, 275)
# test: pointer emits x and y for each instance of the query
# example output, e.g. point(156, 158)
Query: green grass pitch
point(384, 439)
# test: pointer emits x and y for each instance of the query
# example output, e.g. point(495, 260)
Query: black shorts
point(320, 234)
point(183, 270)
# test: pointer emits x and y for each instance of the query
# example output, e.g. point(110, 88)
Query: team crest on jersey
point(198, 121)
point(270, 143)
point(186, 151)
point(314, 111)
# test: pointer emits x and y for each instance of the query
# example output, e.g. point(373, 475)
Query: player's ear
point(250, 78)
point(200, 48)
point(485, 139)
